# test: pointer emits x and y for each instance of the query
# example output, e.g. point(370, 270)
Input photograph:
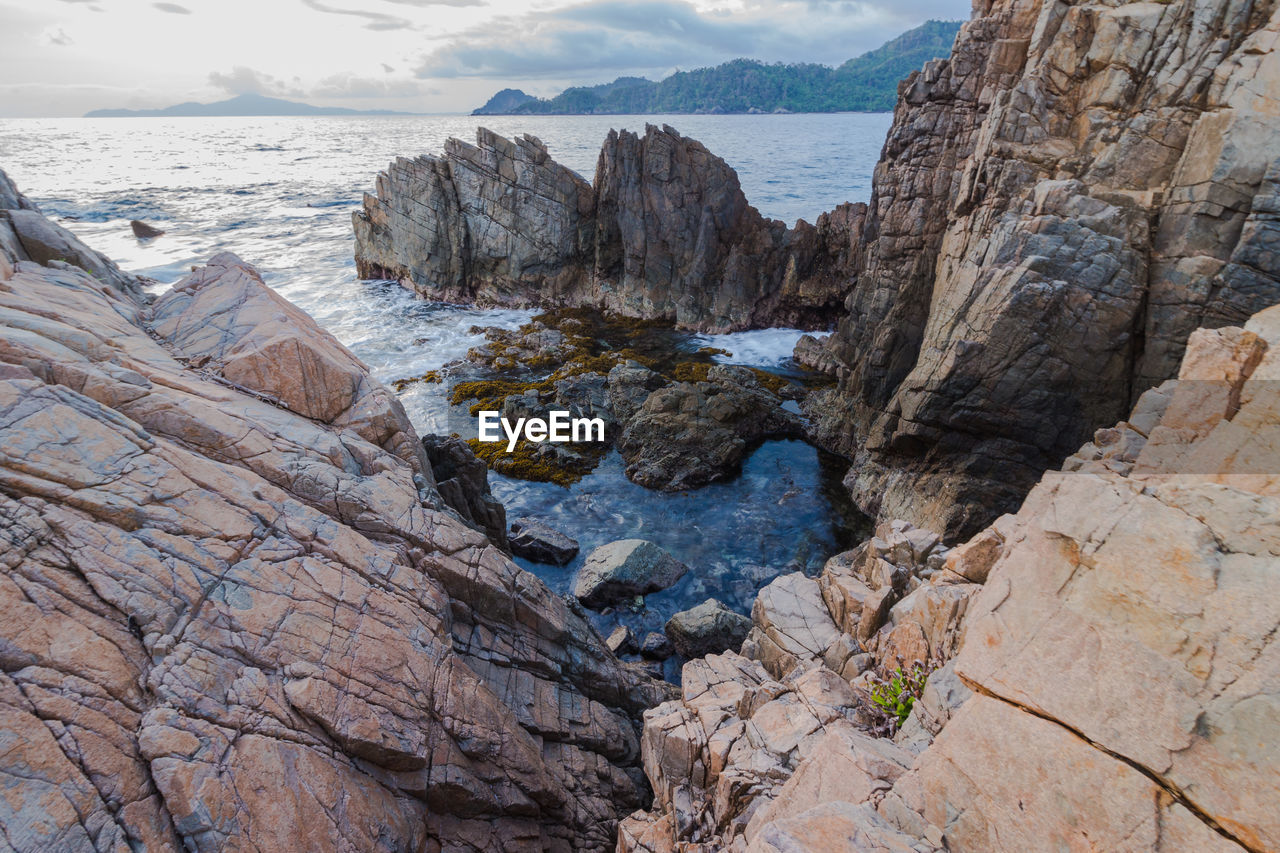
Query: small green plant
point(899, 692)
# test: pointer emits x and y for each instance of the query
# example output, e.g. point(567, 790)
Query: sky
point(66, 57)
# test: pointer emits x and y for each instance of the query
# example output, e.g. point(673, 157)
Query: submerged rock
point(688, 434)
point(143, 231)
point(709, 628)
point(687, 424)
point(541, 543)
point(620, 570)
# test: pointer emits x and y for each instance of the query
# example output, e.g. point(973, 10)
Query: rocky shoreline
point(1057, 207)
point(239, 610)
point(1101, 665)
point(247, 606)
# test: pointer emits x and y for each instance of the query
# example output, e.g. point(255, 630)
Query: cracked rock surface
point(1059, 205)
point(1107, 675)
point(236, 614)
point(664, 232)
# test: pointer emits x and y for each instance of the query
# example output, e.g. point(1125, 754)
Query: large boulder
point(688, 434)
point(708, 629)
point(623, 569)
point(534, 540)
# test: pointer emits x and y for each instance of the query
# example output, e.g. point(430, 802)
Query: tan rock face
point(236, 615)
point(1059, 205)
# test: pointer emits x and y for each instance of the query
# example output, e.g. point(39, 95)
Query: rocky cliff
point(235, 611)
point(1058, 206)
point(664, 232)
point(1105, 673)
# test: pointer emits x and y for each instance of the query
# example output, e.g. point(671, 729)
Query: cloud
point(376, 20)
point(57, 38)
point(246, 81)
point(601, 38)
point(172, 8)
point(348, 85)
point(424, 3)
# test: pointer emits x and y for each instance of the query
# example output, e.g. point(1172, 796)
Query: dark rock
point(463, 483)
point(665, 232)
point(692, 433)
point(708, 629)
point(656, 646)
point(536, 541)
point(629, 385)
point(143, 231)
point(622, 641)
point(620, 570)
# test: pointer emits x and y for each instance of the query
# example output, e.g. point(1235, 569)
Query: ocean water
point(279, 192)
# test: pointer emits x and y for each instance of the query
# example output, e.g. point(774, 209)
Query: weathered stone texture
point(1059, 205)
point(664, 232)
point(236, 613)
point(1111, 676)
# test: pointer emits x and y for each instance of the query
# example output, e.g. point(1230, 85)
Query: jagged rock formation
point(665, 232)
point(1058, 206)
point(236, 612)
point(1117, 680)
point(463, 483)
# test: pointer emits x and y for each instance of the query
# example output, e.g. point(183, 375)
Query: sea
point(279, 192)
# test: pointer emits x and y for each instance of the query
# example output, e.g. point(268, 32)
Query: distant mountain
point(504, 102)
point(241, 105)
point(868, 83)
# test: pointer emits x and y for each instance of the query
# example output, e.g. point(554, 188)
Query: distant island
point(868, 83)
point(241, 105)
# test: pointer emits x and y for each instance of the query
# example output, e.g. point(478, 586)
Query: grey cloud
point(375, 20)
point(246, 81)
point(172, 8)
point(351, 86)
point(425, 3)
point(58, 38)
point(601, 38)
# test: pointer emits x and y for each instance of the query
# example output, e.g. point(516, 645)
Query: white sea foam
point(759, 348)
